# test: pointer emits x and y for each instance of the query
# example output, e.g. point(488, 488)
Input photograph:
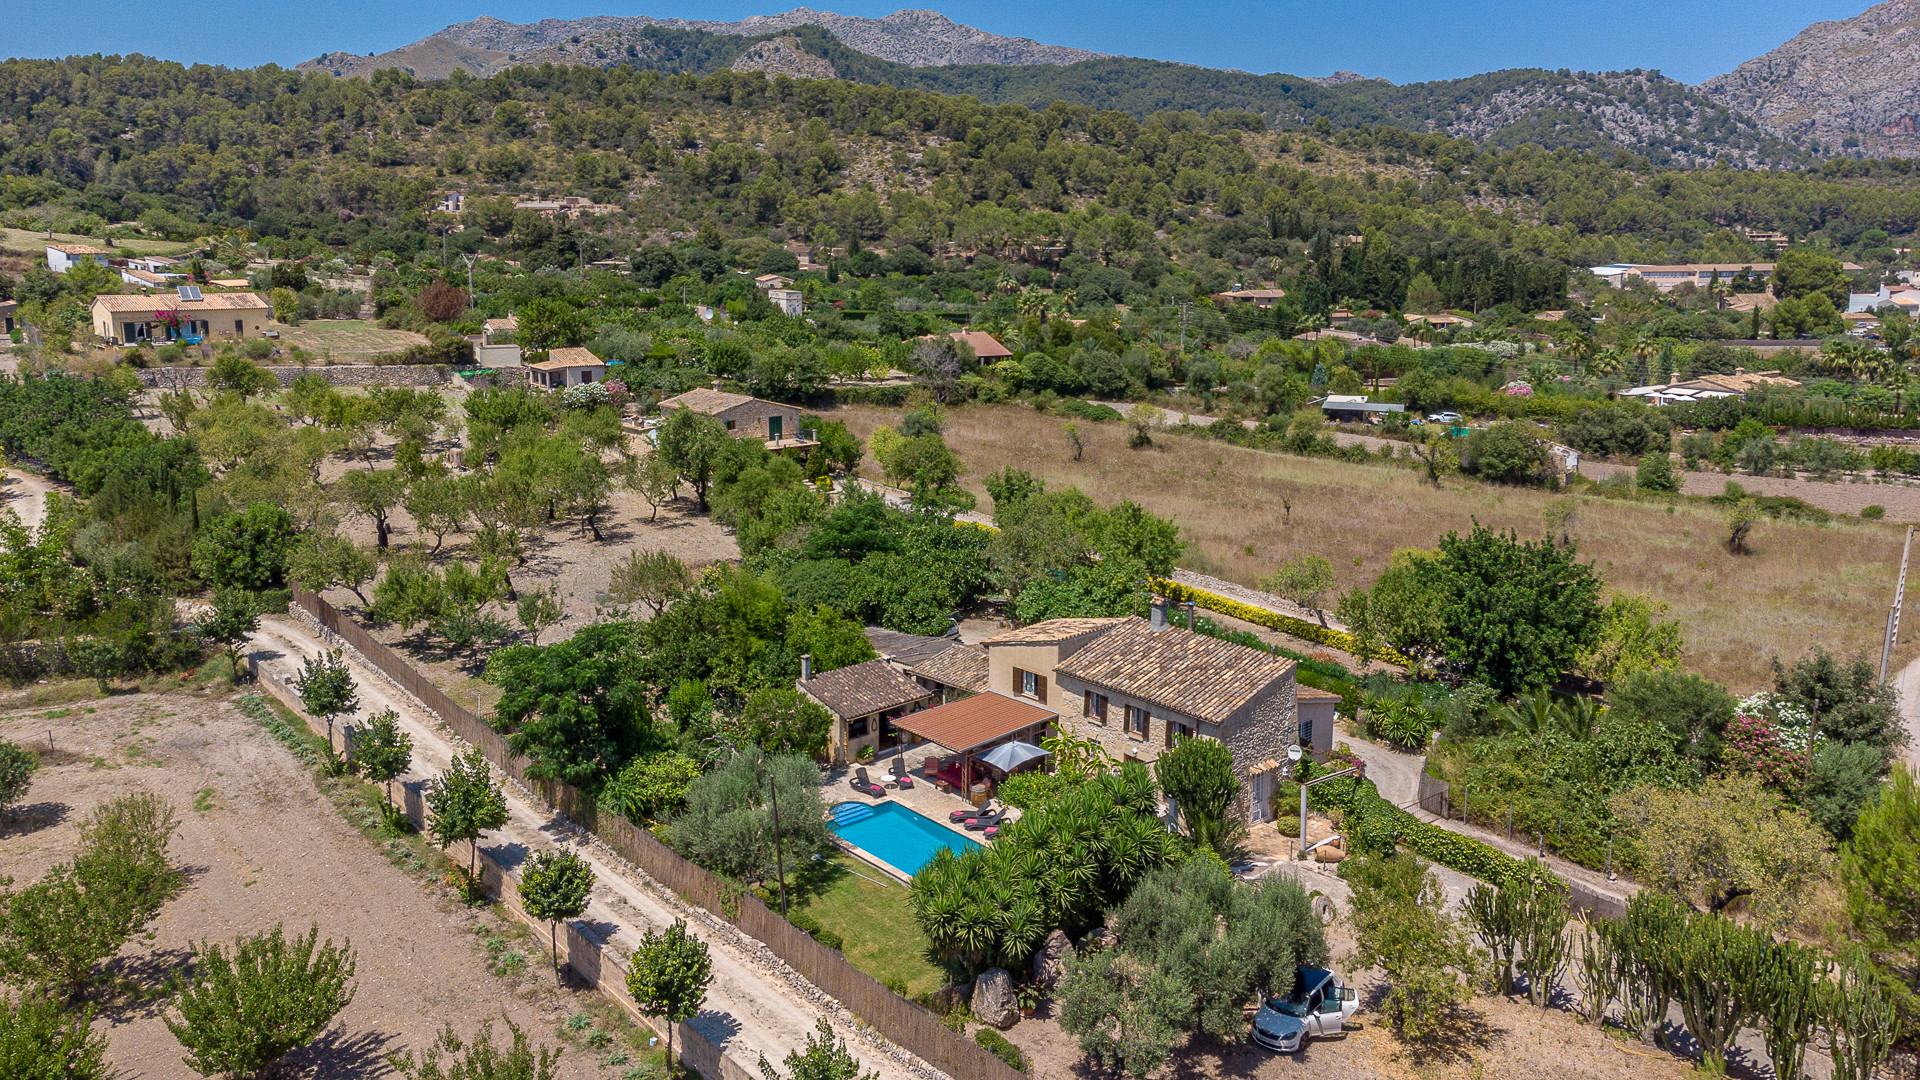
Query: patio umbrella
point(1009, 756)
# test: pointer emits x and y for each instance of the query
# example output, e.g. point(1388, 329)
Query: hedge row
point(1366, 811)
point(1273, 620)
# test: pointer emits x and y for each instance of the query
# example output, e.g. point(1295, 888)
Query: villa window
point(1096, 707)
point(1137, 720)
point(1030, 684)
point(857, 729)
point(1177, 730)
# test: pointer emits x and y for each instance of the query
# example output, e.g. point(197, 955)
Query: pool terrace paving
point(923, 798)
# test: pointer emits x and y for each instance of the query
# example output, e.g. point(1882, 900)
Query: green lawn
point(875, 921)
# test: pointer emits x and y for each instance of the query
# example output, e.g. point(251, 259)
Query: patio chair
point(986, 821)
point(865, 786)
point(900, 777)
point(969, 814)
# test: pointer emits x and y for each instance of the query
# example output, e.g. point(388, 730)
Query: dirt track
point(748, 1010)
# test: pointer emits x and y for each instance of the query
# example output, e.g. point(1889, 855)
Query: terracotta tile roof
point(1191, 674)
point(984, 345)
point(571, 357)
point(239, 301)
point(1314, 693)
point(705, 401)
point(79, 249)
point(1052, 631)
point(963, 667)
point(511, 322)
point(862, 689)
point(973, 721)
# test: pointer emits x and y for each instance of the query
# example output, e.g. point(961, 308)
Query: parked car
point(1318, 1006)
point(1444, 417)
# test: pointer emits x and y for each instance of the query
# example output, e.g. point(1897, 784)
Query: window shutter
point(1040, 689)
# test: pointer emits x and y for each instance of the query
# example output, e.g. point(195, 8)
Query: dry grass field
point(1803, 585)
point(347, 341)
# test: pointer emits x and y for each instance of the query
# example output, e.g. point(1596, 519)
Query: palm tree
point(1033, 305)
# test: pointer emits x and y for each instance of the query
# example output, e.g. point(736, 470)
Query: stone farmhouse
point(746, 417)
point(1134, 686)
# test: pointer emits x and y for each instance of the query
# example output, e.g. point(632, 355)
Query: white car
point(1444, 417)
point(1318, 1006)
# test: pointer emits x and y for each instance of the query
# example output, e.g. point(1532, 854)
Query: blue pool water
point(896, 835)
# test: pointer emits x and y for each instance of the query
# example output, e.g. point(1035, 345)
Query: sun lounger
point(865, 786)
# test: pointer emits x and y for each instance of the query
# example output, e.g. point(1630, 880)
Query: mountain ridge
point(913, 37)
point(1643, 112)
point(1853, 81)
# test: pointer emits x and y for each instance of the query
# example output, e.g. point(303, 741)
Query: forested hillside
point(353, 163)
point(1641, 111)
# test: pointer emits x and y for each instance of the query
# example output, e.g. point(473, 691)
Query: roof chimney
point(806, 667)
point(1158, 614)
point(1739, 371)
point(716, 384)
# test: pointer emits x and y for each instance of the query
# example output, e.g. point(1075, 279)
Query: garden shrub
point(997, 1045)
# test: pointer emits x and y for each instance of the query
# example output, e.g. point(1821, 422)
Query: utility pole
point(1185, 307)
point(779, 860)
point(469, 259)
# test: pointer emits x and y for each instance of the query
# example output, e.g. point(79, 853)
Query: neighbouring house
point(64, 257)
point(1668, 276)
point(1136, 685)
point(1339, 317)
point(8, 315)
point(1442, 321)
point(746, 417)
point(496, 356)
point(156, 264)
point(986, 348)
point(773, 281)
point(791, 302)
point(1260, 298)
point(1704, 387)
point(453, 202)
point(228, 282)
point(865, 700)
point(1356, 407)
point(128, 320)
point(143, 279)
point(494, 327)
point(572, 366)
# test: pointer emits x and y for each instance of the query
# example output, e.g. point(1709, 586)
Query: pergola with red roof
point(977, 723)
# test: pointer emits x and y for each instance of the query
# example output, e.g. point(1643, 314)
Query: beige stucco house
point(566, 367)
point(215, 317)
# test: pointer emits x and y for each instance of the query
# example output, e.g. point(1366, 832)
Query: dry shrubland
point(1802, 585)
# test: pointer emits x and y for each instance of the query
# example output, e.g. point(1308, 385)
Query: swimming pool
point(896, 835)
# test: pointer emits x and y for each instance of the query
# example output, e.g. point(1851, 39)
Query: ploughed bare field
point(263, 846)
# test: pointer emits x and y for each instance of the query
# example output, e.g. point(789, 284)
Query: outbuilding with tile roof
point(864, 699)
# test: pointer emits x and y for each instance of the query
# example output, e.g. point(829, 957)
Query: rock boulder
point(1051, 961)
point(993, 999)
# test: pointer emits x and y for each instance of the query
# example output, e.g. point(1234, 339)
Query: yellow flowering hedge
point(1273, 620)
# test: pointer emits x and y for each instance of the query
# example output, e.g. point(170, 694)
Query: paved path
point(749, 1009)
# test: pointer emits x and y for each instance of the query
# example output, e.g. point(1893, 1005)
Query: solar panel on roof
point(189, 292)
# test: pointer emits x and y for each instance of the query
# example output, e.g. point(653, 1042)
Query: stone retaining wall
point(174, 378)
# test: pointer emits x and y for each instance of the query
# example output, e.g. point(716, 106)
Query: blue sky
point(1403, 40)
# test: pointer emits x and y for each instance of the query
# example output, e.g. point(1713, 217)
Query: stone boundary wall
point(174, 378)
